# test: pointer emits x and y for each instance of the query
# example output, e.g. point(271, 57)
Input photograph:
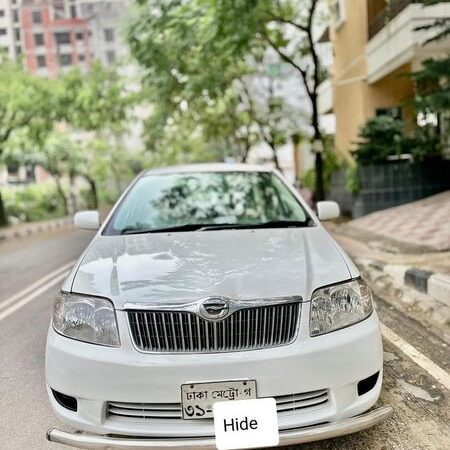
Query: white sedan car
point(209, 284)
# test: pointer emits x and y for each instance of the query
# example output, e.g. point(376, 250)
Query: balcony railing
point(392, 9)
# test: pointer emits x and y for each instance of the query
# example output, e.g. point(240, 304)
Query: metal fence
point(388, 185)
point(339, 192)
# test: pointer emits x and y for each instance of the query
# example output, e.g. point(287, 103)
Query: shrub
point(380, 137)
point(383, 136)
point(32, 202)
point(331, 162)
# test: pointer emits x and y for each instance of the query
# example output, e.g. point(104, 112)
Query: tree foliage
point(433, 79)
point(25, 102)
point(95, 100)
point(383, 136)
point(40, 119)
point(433, 86)
point(201, 56)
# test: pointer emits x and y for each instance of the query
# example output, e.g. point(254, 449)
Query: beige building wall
point(349, 72)
point(354, 99)
point(395, 89)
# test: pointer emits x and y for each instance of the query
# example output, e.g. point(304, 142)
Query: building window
point(36, 17)
point(2, 31)
point(17, 33)
point(73, 11)
point(81, 58)
point(109, 34)
point(395, 112)
point(16, 16)
point(2, 13)
point(65, 60)
point(18, 50)
point(111, 56)
point(58, 9)
point(80, 36)
point(338, 12)
point(39, 39)
point(41, 61)
point(62, 38)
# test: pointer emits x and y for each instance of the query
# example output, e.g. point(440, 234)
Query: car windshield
point(206, 199)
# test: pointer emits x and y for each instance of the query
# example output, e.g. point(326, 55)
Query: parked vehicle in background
point(211, 283)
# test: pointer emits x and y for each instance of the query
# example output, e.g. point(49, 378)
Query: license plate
point(197, 399)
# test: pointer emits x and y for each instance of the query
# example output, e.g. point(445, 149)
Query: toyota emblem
point(214, 308)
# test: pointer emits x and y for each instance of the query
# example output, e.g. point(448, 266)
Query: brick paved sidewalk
point(424, 223)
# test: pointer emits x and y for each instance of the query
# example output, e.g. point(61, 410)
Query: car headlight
point(85, 318)
point(338, 306)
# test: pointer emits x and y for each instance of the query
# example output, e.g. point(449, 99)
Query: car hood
point(176, 268)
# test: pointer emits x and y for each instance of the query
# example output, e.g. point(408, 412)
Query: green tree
point(103, 161)
point(94, 101)
point(194, 52)
point(60, 156)
point(25, 103)
point(96, 104)
point(286, 26)
point(433, 80)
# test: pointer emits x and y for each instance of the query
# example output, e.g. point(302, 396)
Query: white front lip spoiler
point(288, 437)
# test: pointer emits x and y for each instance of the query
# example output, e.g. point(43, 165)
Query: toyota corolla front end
point(211, 284)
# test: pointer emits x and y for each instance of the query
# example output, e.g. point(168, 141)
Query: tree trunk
point(296, 139)
point(246, 151)
point(73, 204)
point(275, 156)
point(62, 196)
point(319, 193)
point(94, 195)
point(3, 215)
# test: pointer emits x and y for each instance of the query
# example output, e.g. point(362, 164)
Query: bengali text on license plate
point(197, 399)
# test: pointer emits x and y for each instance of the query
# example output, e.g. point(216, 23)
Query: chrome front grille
point(295, 402)
point(167, 411)
point(145, 410)
point(244, 329)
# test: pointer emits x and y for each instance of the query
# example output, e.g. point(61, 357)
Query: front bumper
point(288, 437)
point(98, 375)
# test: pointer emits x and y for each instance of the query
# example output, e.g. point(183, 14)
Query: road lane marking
point(27, 299)
point(36, 285)
point(419, 358)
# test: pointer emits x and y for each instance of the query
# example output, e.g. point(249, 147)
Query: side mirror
point(328, 210)
point(87, 220)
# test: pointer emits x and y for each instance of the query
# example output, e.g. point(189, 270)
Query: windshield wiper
point(270, 224)
point(219, 226)
point(185, 227)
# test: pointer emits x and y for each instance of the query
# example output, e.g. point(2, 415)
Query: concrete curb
point(29, 229)
point(428, 290)
point(436, 285)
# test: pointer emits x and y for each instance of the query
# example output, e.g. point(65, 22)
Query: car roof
point(209, 167)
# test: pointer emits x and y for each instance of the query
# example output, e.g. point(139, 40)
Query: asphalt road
point(421, 403)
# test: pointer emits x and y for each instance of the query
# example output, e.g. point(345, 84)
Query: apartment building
point(55, 37)
point(105, 21)
point(10, 28)
point(376, 45)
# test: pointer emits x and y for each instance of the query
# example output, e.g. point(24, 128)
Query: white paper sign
point(246, 424)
